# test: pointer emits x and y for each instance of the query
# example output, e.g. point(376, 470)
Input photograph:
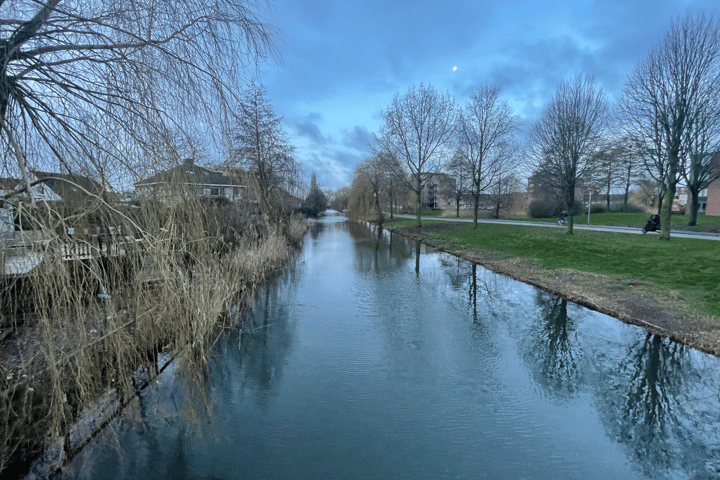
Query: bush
point(544, 209)
point(596, 209)
point(579, 209)
point(631, 208)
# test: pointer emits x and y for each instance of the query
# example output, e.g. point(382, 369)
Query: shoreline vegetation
point(81, 331)
point(670, 289)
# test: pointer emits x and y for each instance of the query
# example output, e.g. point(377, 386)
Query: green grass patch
point(637, 220)
point(687, 266)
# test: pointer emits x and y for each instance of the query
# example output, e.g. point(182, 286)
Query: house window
point(214, 192)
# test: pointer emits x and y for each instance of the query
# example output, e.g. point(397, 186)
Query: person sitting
point(563, 216)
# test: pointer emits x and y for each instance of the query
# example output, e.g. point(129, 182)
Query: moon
point(454, 69)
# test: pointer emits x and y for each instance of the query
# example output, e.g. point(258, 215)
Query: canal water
point(373, 357)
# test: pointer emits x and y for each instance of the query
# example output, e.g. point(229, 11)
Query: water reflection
point(551, 352)
point(390, 251)
point(659, 405)
point(375, 357)
point(656, 397)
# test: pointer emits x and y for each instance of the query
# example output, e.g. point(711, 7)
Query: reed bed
point(83, 327)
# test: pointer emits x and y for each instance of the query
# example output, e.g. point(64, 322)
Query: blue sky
point(343, 61)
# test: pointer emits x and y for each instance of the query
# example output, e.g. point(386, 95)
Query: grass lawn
point(637, 220)
point(686, 267)
point(425, 212)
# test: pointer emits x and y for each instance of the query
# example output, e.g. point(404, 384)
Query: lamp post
point(589, 203)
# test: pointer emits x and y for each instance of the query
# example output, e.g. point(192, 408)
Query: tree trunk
point(625, 197)
point(668, 197)
point(378, 209)
point(608, 198)
point(475, 211)
point(392, 200)
point(570, 203)
point(661, 196)
point(457, 207)
point(694, 206)
point(418, 206)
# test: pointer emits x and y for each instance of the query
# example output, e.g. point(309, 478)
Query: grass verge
point(637, 220)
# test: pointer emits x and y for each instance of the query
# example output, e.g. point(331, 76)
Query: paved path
point(579, 226)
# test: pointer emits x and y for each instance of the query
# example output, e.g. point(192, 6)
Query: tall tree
point(670, 93)
point(702, 158)
point(417, 130)
point(564, 139)
point(501, 192)
point(629, 172)
point(457, 168)
point(262, 146)
point(485, 139)
point(316, 202)
point(375, 175)
point(338, 200)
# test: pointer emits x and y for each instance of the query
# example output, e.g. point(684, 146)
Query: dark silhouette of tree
point(262, 148)
point(551, 354)
point(316, 202)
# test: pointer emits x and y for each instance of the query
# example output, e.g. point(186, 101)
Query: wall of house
point(6, 220)
point(713, 199)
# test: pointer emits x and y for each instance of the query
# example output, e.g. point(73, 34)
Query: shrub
point(544, 209)
point(631, 208)
point(597, 209)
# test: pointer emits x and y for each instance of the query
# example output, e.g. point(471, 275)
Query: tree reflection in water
point(645, 412)
point(390, 251)
point(551, 355)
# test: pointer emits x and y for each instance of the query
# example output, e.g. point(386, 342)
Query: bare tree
point(418, 128)
point(338, 200)
point(564, 139)
point(262, 147)
point(669, 94)
point(373, 171)
point(485, 139)
point(604, 174)
point(630, 170)
point(501, 192)
point(457, 168)
point(81, 77)
point(702, 159)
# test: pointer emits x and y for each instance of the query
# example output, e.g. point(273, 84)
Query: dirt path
point(631, 300)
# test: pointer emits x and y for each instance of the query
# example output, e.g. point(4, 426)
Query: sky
point(341, 62)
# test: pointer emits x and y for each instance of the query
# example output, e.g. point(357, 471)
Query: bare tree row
point(666, 125)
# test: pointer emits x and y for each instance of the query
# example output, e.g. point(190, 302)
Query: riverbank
point(660, 305)
point(62, 380)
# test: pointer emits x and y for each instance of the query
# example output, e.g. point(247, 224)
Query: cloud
point(359, 138)
point(307, 127)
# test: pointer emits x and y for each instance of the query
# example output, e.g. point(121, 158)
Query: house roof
point(188, 173)
point(69, 184)
point(9, 184)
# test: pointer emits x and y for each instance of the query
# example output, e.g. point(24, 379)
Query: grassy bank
point(638, 220)
point(681, 275)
